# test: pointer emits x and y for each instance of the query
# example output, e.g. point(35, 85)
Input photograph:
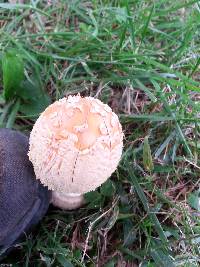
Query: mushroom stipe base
point(67, 201)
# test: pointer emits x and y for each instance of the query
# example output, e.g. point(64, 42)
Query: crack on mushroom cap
point(64, 131)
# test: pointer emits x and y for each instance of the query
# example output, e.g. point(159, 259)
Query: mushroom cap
point(23, 200)
point(76, 144)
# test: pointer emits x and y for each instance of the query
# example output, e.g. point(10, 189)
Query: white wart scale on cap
point(75, 146)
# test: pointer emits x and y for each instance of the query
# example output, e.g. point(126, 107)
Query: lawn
point(142, 58)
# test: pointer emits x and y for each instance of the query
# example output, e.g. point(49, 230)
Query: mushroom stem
point(68, 201)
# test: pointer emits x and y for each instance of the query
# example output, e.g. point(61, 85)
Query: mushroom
point(23, 200)
point(75, 146)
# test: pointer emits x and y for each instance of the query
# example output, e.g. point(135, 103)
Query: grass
point(142, 58)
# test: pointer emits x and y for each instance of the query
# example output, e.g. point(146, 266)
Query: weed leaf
point(194, 200)
point(147, 158)
point(13, 73)
point(64, 261)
